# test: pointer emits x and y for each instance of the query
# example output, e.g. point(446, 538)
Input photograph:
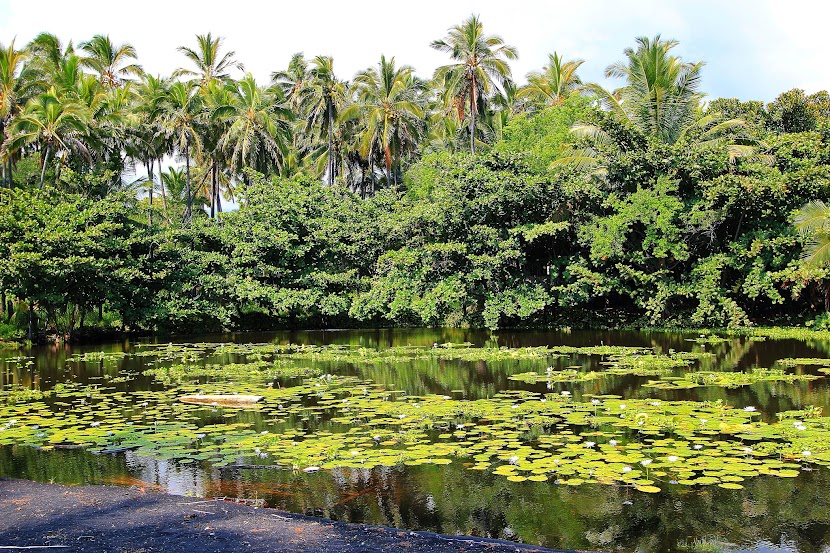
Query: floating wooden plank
point(222, 400)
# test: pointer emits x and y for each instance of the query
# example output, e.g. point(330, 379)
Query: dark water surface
point(769, 514)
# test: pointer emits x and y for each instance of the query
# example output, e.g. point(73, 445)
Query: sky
point(753, 49)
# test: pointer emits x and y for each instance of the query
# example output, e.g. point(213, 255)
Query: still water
point(769, 514)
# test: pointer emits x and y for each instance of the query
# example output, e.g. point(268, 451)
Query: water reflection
point(770, 514)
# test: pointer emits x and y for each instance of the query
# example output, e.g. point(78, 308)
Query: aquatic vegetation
point(307, 421)
point(792, 362)
point(259, 370)
point(729, 379)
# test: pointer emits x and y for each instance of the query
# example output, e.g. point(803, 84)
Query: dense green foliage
point(358, 204)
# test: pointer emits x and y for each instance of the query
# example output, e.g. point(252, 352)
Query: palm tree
point(388, 101)
point(180, 113)
point(210, 63)
point(557, 81)
point(150, 144)
point(55, 123)
point(292, 79)
point(321, 100)
point(481, 65)
point(812, 222)
point(660, 99)
point(661, 96)
point(16, 86)
point(110, 62)
point(257, 134)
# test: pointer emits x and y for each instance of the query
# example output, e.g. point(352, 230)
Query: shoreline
point(41, 516)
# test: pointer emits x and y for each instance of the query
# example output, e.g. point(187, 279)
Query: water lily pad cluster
point(308, 421)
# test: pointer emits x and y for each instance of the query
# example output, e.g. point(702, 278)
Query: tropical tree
point(321, 100)
point(149, 143)
point(388, 102)
point(661, 95)
point(181, 116)
point(556, 81)
point(481, 66)
point(292, 79)
point(15, 88)
point(54, 123)
point(258, 134)
point(110, 62)
point(812, 222)
point(210, 63)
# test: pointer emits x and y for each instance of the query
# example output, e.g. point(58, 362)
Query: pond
point(617, 441)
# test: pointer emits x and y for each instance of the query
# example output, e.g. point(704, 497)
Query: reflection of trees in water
point(453, 499)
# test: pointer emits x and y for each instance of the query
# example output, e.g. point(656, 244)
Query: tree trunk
point(827, 297)
point(9, 174)
point(362, 182)
point(43, 170)
point(473, 115)
point(218, 195)
point(163, 195)
point(188, 214)
point(212, 191)
point(100, 312)
point(149, 165)
point(331, 154)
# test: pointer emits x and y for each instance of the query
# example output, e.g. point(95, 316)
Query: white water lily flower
point(627, 469)
point(566, 393)
point(311, 469)
point(622, 405)
point(96, 423)
point(750, 409)
point(590, 444)
point(672, 458)
point(806, 453)
point(704, 421)
point(698, 446)
point(513, 460)
point(747, 450)
point(595, 402)
point(645, 462)
point(401, 416)
point(612, 442)
point(801, 427)
point(446, 397)
point(655, 404)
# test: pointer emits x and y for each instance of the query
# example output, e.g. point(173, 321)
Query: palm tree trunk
point(473, 115)
point(163, 195)
point(45, 162)
point(149, 165)
point(9, 174)
point(188, 214)
point(213, 191)
point(216, 191)
point(388, 159)
point(331, 130)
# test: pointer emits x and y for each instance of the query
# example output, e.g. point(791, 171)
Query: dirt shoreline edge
point(128, 520)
